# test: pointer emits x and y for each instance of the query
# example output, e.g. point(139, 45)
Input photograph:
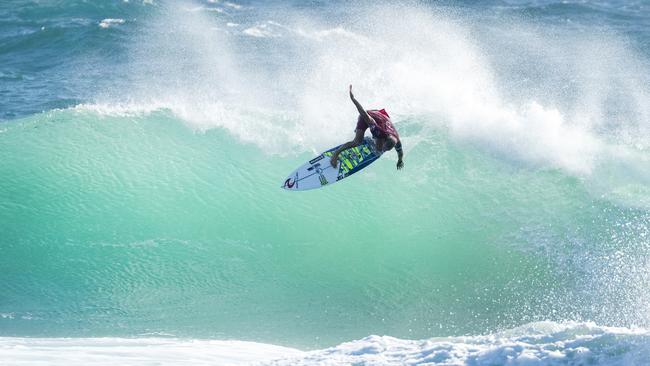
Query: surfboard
point(318, 172)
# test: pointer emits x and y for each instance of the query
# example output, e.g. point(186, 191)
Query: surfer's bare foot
point(334, 161)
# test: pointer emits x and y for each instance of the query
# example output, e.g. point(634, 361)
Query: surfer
point(382, 129)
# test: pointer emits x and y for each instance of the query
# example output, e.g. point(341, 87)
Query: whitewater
point(143, 145)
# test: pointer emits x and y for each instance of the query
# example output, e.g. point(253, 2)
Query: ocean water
point(143, 145)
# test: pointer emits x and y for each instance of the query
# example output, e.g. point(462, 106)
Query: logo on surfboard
point(312, 161)
point(288, 183)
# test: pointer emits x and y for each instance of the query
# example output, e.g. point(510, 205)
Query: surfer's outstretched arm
point(400, 155)
point(362, 112)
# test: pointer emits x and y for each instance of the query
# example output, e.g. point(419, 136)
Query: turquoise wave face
point(127, 225)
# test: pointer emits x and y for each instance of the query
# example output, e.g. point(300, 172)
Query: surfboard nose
point(290, 183)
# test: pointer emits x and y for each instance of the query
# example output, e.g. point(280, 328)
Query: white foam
point(110, 22)
point(216, 10)
point(232, 5)
point(259, 31)
point(541, 343)
point(126, 109)
point(138, 351)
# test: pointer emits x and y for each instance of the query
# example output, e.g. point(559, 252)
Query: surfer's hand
point(351, 95)
point(400, 164)
point(334, 161)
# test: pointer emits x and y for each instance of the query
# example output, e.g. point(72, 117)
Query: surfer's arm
point(400, 155)
point(362, 112)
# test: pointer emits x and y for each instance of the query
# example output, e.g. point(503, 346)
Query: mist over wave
point(544, 95)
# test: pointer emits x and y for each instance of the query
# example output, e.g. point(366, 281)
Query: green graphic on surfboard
point(318, 172)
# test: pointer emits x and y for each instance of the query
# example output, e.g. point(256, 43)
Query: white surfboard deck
point(318, 172)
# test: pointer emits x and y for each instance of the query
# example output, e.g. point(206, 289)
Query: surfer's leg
point(358, 139)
